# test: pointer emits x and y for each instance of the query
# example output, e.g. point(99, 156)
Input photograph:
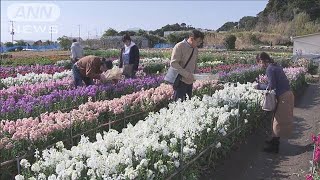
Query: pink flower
point(317, 155)
point(314, 138)
point(309, 177)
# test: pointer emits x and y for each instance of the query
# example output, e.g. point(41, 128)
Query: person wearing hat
point(89, 68)
point(129, 57)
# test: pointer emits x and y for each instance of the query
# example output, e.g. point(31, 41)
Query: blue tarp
point(163, 45)
point(4, 49)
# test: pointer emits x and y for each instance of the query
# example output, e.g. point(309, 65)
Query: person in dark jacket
point(89, 68)
point(129, 57)
point(282, 122)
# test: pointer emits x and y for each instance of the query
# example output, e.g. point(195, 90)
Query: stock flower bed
point(17, 136)
point(224, 68)
point(235, 73)
point(242, 57)
point(22, 70)
point(35, 90)
point(151, 148)
point(27, 105)
point(32, 78)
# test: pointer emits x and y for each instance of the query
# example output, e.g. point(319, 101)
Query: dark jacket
point(134, 57)
point(277, 79)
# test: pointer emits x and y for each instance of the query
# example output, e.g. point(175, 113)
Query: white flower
point(24, 163)
point(176, 164)
point(174, 141)
point(163, 169)
point(52, 177)
point(208, 130)
point(150, 174)
point(74, 175)
point(35, 167)
point(223, 131)
point(19, 177)
point(36, 154)
point(42, 176)
point(32, 178)
point(218, 145)
point(245, 121)
point(144, 163)
point(60, 145)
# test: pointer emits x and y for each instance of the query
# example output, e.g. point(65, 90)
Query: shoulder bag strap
point(189, 59)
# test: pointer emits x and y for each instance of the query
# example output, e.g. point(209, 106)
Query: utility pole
point(12, 31)
point(51, 34)
point(79, 33)
point(88, 34)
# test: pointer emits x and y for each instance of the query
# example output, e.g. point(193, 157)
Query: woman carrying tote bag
point(129, 57)
point(282, 120)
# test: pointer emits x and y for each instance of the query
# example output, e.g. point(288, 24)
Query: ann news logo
point(33, 12)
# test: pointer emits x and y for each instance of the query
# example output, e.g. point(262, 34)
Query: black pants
point(182, 91)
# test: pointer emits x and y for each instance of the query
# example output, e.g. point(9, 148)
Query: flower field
point(131, 129)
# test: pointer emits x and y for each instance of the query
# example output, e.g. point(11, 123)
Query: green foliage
point(230, 42)
point(228, 26)
point(154, 68)
point(110, 53)
point(302, 25)
point(27, 61)
point(110, 32)
point(8, 44)
point(177, 37)
point(254, 39)
point(154, 39)
point(172, 27)
point(64, 42)
point(248, 23)
point(20, 43)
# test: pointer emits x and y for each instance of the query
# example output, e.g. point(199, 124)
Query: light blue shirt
point(125, 58)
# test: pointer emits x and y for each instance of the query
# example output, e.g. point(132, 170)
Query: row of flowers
point(37, 89)
point(28, 105)
point(224, 68)
point(151, 148)
point(32, 78)
point(18, 135)
point(6, 72)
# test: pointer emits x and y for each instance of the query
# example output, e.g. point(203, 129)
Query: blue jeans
point(78, 78)
point(182, 91)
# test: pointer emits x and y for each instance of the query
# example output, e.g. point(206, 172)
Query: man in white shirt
point(76, 51)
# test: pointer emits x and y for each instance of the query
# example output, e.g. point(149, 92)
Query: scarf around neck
point(127, 48)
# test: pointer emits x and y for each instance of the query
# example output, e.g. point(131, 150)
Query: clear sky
point(97, 16)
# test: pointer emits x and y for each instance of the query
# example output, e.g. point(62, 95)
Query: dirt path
point(292, 162)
